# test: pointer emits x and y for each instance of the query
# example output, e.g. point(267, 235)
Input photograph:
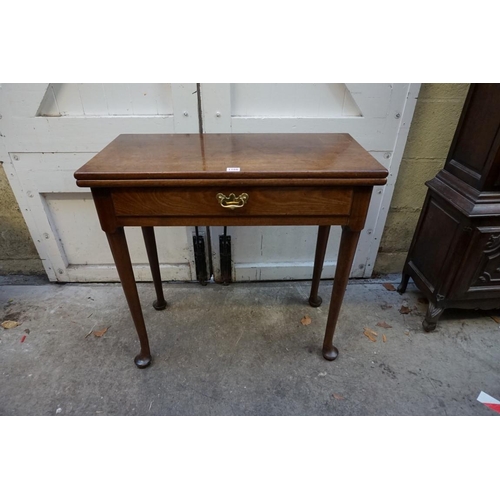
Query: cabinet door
point(378, 116)
point(437, 250)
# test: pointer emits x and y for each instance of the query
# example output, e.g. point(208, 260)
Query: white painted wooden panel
point(67, 99)
point(22, 99)
point(79, 133)
point(373, 99)
point(270, 253)
point(107, 99)
point(48, 105)
point(185, 108)
point(216, 107)
point(40, 155)
point(75, 224)
point(372, 133)
point(93, 97)
point(374, 114)
point(119, 99)
point(69, 229)
point(305, 100)
point(151, 98)
point(403, 104)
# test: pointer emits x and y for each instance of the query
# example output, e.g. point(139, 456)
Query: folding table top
point(233, 156)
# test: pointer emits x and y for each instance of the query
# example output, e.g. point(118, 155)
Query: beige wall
point(436, 116)
point(17, 251)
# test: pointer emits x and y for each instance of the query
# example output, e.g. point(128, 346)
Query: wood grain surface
point(193, 156)
point(261, 201)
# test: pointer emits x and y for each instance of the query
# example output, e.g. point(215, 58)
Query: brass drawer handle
point(232, 201)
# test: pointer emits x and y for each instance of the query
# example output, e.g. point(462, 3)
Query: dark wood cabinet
point(454, 257)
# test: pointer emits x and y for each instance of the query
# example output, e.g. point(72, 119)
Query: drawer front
point(186, 202)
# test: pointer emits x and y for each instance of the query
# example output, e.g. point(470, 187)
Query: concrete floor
point(239, 350)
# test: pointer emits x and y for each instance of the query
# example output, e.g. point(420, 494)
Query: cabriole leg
point(121, 256)
point(347, 249)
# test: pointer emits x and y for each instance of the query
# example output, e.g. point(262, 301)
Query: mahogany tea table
point(232, 180)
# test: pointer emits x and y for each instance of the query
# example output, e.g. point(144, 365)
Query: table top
point(232, 156)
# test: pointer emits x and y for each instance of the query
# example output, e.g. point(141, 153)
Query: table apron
point(291, 207)
point(334, 220)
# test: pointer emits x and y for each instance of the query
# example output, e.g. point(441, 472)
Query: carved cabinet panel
point(480, 267)
point(488, 272)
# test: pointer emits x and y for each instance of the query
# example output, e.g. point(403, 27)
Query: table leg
point(121, 256)
point(150, 241)
point(347, 249)
point(323, 233)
